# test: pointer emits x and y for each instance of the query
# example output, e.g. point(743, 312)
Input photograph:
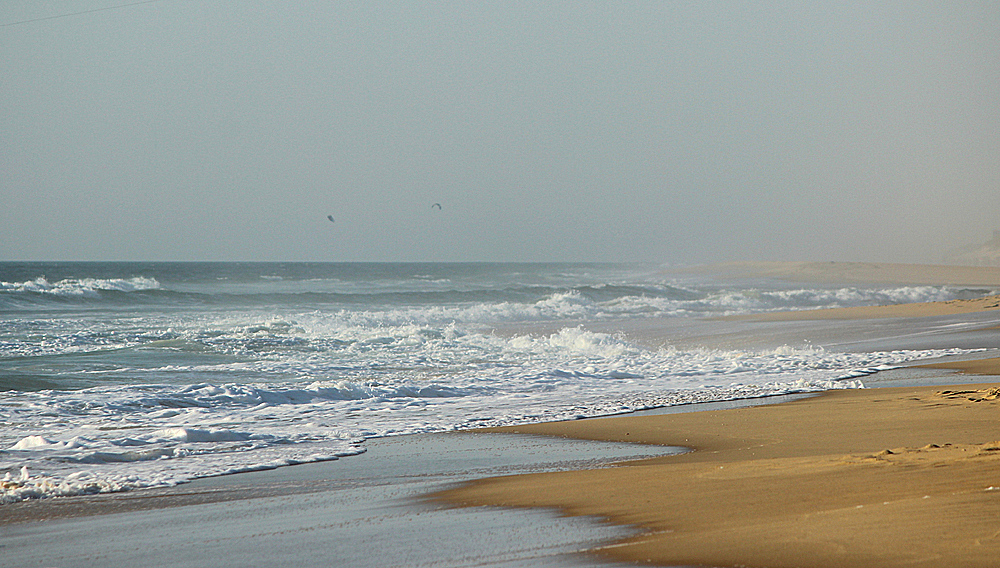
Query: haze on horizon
point(674, 132)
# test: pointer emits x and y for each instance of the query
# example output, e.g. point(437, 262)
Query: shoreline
point(366, 510)
point(867, 483)
point(285, 480)
point(781, 475)
point(892, 476)
point(919, 456)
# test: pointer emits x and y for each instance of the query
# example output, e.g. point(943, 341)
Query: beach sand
point(877, 477)
point(990, 366)
point(361, 511)
point(880, 477)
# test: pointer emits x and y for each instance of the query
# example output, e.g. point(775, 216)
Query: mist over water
point(682, 132)
point(663, 132)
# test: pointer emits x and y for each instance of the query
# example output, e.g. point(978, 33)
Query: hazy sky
point(672, 132)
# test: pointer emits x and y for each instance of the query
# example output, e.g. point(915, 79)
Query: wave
point(80, 287)
point(114, 438)
point(485, 305)
point(755, 300)
point(130, 375)
point(279, 325)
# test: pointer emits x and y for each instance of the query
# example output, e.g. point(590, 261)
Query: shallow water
point(116, 376)
point(359, 512)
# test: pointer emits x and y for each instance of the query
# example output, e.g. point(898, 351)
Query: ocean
point(122, 375)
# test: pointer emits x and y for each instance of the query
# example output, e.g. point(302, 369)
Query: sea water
point(116, 376)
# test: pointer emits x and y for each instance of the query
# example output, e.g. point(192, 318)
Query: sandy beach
point(499, 284)
point(880, 477)
point(893, 476)
point(875, 477)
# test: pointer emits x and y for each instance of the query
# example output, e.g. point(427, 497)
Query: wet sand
point(868, 478)
point(360, 511)
point(880, 477)
point(990, 366)
point(877, 477)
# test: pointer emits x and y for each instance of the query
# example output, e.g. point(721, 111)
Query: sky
point(668, 132)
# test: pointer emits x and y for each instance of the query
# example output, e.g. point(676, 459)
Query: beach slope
point(882, 477)
point(869, 478)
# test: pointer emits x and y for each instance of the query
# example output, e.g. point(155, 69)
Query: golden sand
point(883, 477)
point(975, 367)
point(856, 478)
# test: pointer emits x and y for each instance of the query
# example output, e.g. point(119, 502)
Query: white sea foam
point(114, 438)
point(227, 368)
point(573, 304)
point(80, 287)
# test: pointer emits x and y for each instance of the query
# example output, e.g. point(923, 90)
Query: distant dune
point(986, 254)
